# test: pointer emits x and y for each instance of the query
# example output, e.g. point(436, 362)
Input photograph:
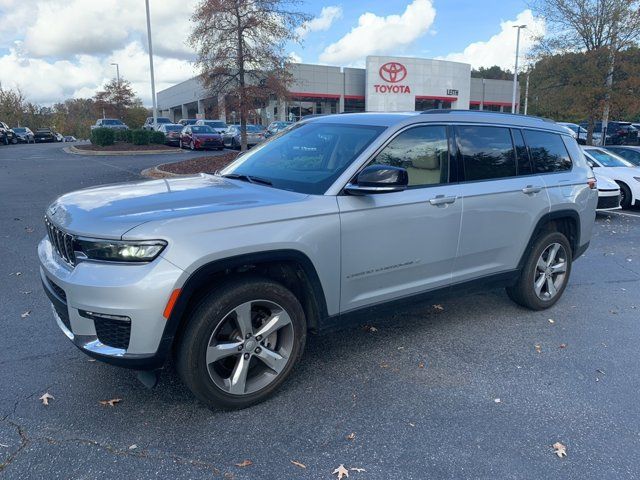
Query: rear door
point(398, 244)
point(503, 200)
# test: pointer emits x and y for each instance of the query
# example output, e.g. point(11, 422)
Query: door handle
point(441, 200)
point(529, 189)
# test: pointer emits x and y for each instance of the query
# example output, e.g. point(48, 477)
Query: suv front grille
point(61, 242)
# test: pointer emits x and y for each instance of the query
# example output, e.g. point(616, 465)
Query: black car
point(618, 133)
point(24, 135)
point(44, 135)
point(7, 135)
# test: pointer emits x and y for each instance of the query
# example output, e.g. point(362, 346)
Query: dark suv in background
point(618, 133)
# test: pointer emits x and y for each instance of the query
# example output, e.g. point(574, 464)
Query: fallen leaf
point(563, 345)
point(91, 360)
point(551, 320)
point(111, 403)
point(412, 424)
point(538, 348)
point(421, 365)
point(26, 292)
point(244, 463)
point(497, 400)
point(298, 464)
point(560, 450)
point(133, 447)
point(341, 472)
point(45, 399)
point(3, 445)
point(26, 314)
point(369, 328)
point(600, 371)
point(357, 469)
point(351, 436)
point(29, 229)
point(438, 307)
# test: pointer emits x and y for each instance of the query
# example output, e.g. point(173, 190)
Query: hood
point(604, 182)
point(111, 210)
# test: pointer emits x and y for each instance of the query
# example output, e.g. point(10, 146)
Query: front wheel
point(241, 343)
point(625, 196)
point(545, 273)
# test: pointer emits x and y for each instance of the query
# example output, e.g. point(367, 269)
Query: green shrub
point(102, 136)
point(140, 137)
point(157, 137)
point(123, 136)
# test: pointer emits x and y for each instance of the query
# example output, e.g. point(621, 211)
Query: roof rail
point(485, 112)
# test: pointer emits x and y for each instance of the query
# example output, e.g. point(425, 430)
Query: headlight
point(120, 250)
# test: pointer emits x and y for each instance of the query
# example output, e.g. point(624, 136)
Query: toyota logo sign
point(393, 72)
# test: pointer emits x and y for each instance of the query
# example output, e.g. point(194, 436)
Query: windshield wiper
point(248, 178)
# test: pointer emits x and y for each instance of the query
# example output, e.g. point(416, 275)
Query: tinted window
point(608, 159)
point(522, 156)
point(487, 152)
point(422, 151)
point(173, 128)
point(547, 151)
point(628, 154)
point(202, 129)
point(307, 158)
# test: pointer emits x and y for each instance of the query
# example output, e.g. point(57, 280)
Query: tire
point(525, 291)
point(220, 148)
point(215, 321)
point(625, 195)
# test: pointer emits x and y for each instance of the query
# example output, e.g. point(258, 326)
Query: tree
point(240, 49)
point(116, 97)
point(492, 73)
point(599, 29)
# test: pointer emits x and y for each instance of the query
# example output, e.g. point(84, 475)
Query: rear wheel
point(545, 273)
point(241, 343)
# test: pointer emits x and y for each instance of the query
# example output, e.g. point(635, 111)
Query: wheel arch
point(292, 268)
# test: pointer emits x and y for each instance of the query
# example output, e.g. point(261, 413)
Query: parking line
point(634, 215)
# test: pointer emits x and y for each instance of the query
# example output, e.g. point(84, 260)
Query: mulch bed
point(123, 147)
point(208, 164)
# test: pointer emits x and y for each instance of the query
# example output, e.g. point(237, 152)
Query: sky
point(57, 49)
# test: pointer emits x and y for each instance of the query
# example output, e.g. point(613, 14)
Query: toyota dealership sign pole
point(515, 71)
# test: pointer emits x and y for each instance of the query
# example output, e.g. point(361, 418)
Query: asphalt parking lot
point(474, 387)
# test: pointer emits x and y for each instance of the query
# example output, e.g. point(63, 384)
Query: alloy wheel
point(551, 272)
point(250, 346)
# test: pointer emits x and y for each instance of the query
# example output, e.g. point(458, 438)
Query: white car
point(624, 173)
point(608, 193)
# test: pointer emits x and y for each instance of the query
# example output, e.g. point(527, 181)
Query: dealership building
point(387, 84)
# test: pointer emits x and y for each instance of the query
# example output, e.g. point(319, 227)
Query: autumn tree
point(116, 97)
point(240, 49)
point(599, 29)
point(493, 73)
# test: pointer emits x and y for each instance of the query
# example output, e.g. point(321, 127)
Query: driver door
point(402, 243)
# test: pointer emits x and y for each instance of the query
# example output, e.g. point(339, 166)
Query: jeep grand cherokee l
point(325, 223)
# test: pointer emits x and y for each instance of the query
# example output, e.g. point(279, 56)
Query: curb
point(157, 172)
point(76, 151)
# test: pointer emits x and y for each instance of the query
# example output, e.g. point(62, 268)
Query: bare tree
point(600, 27)
point(240, 46)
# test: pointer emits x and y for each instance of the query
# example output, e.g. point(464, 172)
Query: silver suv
point(325, 223)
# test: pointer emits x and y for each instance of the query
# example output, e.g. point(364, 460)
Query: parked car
point(187, 121)
point(112, 123)
point(608, 193)
point(578, 132)
point(326, 224)
point(148, 124)
point(275, 127)
point(70, 138)
point(231, 136)
point(629, 153)
point(197, 137)
point(24, 134)
point(171, 132)
point(7, 135)
point(618, 133)
point(624, 173)
point(59, 137)
point(44, 135)
point(218, 125)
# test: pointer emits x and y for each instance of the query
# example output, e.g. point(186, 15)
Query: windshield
point(254, 128)
point(111, 122)
point(201, 129)
point(608, 159)
point(630, 155)
point(216, 124)
point(19, 130)
point(307, 158)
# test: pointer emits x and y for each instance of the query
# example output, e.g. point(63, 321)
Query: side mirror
point(379, 179)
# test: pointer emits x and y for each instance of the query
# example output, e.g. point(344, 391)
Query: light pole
point(118, 95)
point(117, 72)
point(515, 72)
point(153, 82)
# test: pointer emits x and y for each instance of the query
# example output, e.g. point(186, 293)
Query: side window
point(522, 156)
point(423, 151)
point(487, 152)
point(547, 151)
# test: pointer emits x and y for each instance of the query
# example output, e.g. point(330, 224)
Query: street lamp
point(515, 72)
point(153, 82)
point(117, 72)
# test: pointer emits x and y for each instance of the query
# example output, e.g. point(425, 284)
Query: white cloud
point(294, 57)
point(376, 35)
point(500, 48)
point(321, 23)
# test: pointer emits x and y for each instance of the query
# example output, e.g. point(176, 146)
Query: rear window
point(547, 151)
point(487, 152)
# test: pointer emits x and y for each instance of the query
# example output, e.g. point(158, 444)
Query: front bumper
point(608, 200)
point(138, 293)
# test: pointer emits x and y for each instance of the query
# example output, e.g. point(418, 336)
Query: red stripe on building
point(354, 97)
point(429, 97)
